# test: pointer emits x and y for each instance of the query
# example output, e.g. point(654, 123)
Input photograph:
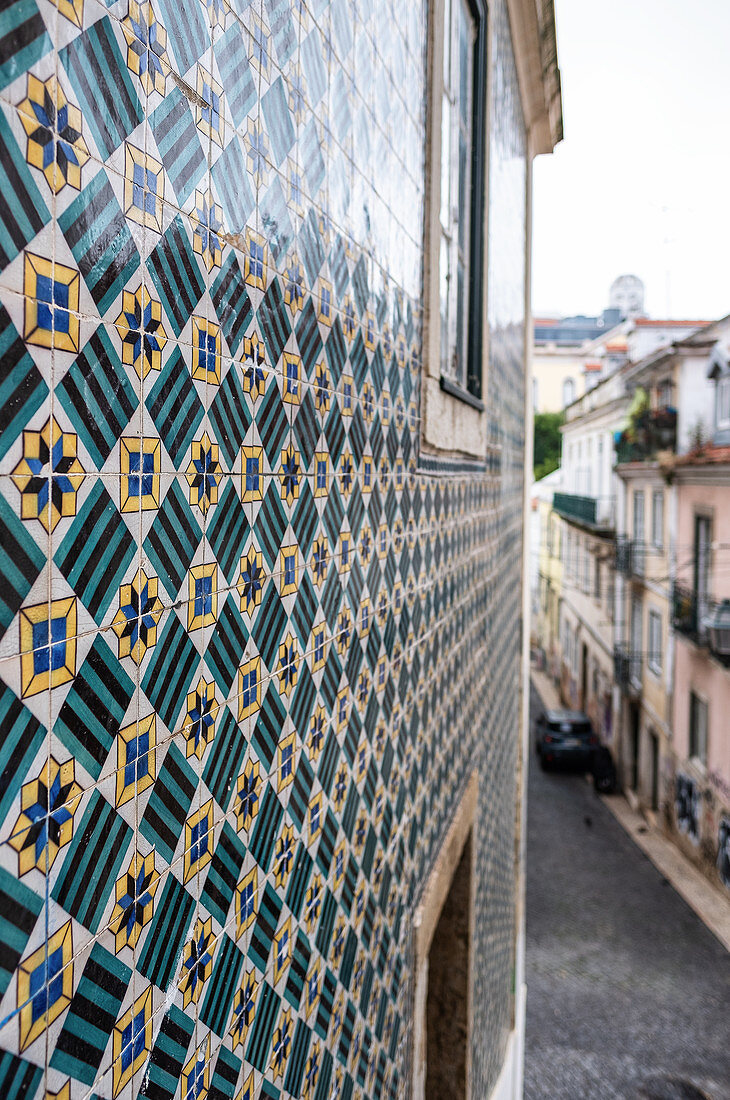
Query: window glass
point(639, 535)
point(636, 635)
point(654, 659)
point(456, 162)
point(657, 518)
point(697, 728)
point(723, 402)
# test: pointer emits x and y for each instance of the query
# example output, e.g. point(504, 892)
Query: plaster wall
point(696, 404)
point(696, 672)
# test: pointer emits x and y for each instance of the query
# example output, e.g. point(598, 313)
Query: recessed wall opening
point(443, 929)
point(447, 1003)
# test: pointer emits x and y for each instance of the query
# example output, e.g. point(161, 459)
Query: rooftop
point(648, 322)
point(708, 455)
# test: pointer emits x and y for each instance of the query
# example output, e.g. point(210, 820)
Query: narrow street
point(628, 994)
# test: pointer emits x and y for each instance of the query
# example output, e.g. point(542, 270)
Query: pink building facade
point(701, 695)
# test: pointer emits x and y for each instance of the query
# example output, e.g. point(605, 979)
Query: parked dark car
point(565, 737)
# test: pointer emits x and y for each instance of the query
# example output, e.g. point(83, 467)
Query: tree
point(546, 456)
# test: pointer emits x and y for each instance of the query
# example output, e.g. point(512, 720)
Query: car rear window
point(570, 727)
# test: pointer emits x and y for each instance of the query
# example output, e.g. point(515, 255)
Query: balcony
point(627, 670)
point(595, 512)
point(652, 431)
point(630, 557)
point(689, 611)
point(624, 550)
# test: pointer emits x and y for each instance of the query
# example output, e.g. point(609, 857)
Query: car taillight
point(593, 741)
point(549, 739)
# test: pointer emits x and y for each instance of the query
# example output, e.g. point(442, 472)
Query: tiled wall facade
point(251, 642)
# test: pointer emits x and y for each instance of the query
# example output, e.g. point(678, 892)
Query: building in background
point(566, 356)
point(699, 776)
point(546, 569)
point(646, 666)
point(671, 412)
point(571, 355)
point(261, 541)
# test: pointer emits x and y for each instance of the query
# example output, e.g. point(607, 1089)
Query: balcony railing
point(652, 431)
point(624, 550)
point(627, 669)
point(689, 612)
point(592, 511)
point(630, 557)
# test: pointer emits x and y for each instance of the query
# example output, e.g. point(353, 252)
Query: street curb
point(691, 885)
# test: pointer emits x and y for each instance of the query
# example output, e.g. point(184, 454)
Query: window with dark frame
point(697, 728)
point(463, 91)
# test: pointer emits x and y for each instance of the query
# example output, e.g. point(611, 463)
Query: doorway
point(443, 930)
point(448, 990)
point(583, 676)
point(634, 745)
point(654, 771)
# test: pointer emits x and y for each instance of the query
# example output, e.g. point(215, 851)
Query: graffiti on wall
point(687, 807)
point(723, 851)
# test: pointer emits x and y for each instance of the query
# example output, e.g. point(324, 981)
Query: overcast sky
point(641, 182)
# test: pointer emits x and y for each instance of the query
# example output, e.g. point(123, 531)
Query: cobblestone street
point(628, 994)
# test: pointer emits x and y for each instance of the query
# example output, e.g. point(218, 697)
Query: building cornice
point(608, 409)
point(536, 57)
point(641, 471)
point(712, 474)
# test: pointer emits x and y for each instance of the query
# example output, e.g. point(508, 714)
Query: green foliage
point(546, 456)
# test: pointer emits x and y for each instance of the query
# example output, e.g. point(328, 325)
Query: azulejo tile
point(49, 475)
point(46, 821)
point(51, 304)
point(146, 46)
point(224, 587)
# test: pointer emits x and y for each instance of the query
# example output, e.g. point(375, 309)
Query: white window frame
point(654, 657)
point(657, 513)
point(636, 640)
point(568, 392)
point(639, 530)
point(722, 399)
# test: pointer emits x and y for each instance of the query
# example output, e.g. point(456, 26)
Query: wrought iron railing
point(630, 557)
point(627, 669)
point(690, 610)
point(624, 548)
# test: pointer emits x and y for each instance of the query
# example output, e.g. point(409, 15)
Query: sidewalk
point(545, 689)
point(708, 903)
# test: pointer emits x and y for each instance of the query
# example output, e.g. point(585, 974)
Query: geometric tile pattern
point(252, 640)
